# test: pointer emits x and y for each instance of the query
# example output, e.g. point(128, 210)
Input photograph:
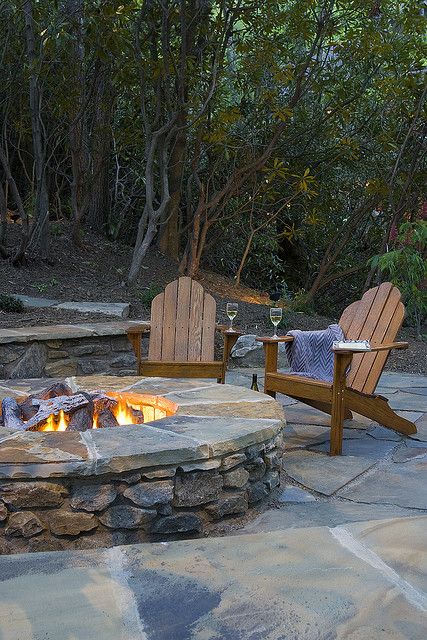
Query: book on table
point(351, 345)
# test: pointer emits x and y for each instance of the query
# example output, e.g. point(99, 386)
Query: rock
point(31, 364)
point(61, 368)
point(125, 517)
point(257, 491)
point(117, 309)
point(271, 480)
point(45, 544)
point(254, 451)
point(247, 352)
point(150, 494)
point(64, 523)
point(126, 360)
point(23, 523)
point(197, 488)
point(93, 497)
point(181, 523)
point(57, 354)
point(3, 512)
point(32, 494)
point(5, 547)
point(272, 459)
point(160, 473)
point(236, 479)
point(203, 465)
point(232, 461)
point(256, 469)
point(130, 478)
point(230, 504)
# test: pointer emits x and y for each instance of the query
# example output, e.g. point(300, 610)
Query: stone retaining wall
point(62, 351)
point(142, 505)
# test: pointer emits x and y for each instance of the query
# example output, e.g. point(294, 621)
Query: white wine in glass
point(275, 317)
point(232, 309)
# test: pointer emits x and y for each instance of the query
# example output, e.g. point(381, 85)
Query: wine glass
point(275, 317)
point(232, 308)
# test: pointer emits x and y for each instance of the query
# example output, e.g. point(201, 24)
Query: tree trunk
point(40, 230)
point(99, 199)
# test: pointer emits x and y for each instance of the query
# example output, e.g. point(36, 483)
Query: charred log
point(106, 419)
point(11, 413)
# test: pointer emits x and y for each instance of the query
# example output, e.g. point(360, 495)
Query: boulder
point(32, 494)
point(197, 488)
point(126, 517)
point(180, 523)
point(93, 497)
point(23, 524)
point(231, 504)
point(236, 478)
point(71, 524)
point(150, 494)
point(247, 352)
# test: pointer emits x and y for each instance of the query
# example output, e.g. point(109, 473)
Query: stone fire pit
point(215, 457)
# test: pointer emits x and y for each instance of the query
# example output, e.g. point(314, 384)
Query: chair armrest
point(375, 347)
point(138, 329)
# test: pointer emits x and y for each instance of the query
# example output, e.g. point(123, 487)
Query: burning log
point(102, 401)
point(106, 419)
point(54, 406)
point(81, 419)
point(11, 413)
point(29, 409)
point(137, 416)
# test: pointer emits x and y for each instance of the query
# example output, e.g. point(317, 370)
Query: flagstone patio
point(339, 551)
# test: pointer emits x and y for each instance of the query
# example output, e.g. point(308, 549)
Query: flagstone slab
point(402, 484)
point(302, 435)
point(221, 435)
point(362, 447)
point(398, 380)
point(36, 303)
point(406, 401)
point(301, 413)
point(317, 513)
point(321, 472)
point(274, 586)
point(421, 424)
point(381, 433)
point(216, 393)
point(295, 494)
point(117, 309)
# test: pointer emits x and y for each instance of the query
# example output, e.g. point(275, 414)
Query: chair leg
point(338, 412)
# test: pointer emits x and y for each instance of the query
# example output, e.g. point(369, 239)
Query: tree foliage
point(277, 142)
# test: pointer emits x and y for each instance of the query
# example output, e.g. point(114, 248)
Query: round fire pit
point(203, 452)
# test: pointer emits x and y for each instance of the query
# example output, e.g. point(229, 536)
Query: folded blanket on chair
point(310, 354)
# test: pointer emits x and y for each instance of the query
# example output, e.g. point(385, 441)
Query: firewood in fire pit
point(29, 409)
point(11, 413)
point(137, 416)
point(102, 401)
point(106, 419)
point(81, 419)
point(53, 406)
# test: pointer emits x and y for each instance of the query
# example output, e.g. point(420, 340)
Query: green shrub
point(10, 304)
point(147, 296)
point(406, 265)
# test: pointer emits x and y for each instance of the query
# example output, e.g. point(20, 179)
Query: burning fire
point(125, 412)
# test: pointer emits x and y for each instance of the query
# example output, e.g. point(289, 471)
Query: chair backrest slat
point(377, 317)
point(182, 323)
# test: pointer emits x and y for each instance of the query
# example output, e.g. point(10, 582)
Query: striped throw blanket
point(310, 354)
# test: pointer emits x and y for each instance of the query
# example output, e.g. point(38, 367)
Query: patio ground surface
point(340, 552)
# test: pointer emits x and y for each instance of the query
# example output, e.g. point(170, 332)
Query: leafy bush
point(406, 265)
point(10, 304)
point(147, 296)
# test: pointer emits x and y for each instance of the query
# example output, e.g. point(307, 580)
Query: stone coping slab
point(68, 331)
point(359, 581)
point(173, 440)
point(116, 309)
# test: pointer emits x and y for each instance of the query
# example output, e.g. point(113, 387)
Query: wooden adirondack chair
point(377, 317)
point(182, 333)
